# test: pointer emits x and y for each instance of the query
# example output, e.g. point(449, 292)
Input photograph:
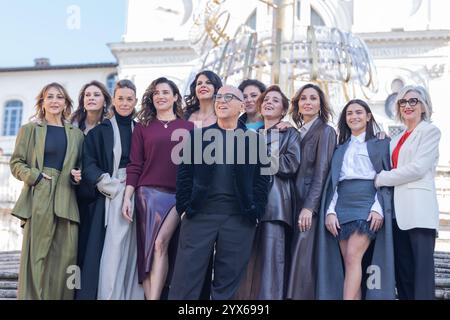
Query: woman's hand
point(46, 176)
point(283, 125)
point(76, 175)
point(332, 224)
point(305, 220)
point(127, 210)
point(376, 221)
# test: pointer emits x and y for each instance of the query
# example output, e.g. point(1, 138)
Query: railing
point(9, 186)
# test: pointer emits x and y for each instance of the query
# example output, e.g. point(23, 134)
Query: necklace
point(165, 123)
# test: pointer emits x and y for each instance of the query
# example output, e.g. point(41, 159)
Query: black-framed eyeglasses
point(412, 102)
point(227, 97)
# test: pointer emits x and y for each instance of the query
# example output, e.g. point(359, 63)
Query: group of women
point(349, 216)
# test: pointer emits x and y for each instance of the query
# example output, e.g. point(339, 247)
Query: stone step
point(14, 264)
point(442, 282)
point(442, 275)
point(443, 294)
point(5, 275)
point(442, 270)
point(8, 285)
point(9, 294)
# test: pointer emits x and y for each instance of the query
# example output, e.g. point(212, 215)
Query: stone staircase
point(442, 271)
point(9, 270)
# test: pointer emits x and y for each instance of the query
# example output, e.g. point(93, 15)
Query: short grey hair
point(424, 99)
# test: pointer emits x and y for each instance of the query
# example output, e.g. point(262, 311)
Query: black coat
point(193, 180)
point(317, 148)
point(98, 158)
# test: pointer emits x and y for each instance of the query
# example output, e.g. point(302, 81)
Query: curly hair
point(148, 111)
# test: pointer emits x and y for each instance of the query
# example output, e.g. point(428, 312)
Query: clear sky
point(65, 31)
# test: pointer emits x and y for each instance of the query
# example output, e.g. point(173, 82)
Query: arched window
point(314, 17)
point(12, 118)
point(111, 82)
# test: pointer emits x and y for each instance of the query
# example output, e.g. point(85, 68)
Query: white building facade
point(20, 86)
point(408, 40)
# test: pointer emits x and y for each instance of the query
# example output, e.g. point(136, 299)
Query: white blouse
point(356, 165)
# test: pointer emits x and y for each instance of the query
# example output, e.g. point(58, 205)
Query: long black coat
point(98, 158)
point(317, 148)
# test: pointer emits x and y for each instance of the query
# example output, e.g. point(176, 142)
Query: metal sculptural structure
point(287, 54)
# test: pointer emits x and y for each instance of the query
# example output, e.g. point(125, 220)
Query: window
point(314, 17)
point(111, 82)
point(251, 20)
point(12, 118)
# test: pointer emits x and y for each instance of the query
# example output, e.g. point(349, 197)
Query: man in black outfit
point(222, 201)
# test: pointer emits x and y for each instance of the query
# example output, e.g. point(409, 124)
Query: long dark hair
point(325, 112)
point(148, 111)
point(192, 103)
point(344, 130)
point(80, 114)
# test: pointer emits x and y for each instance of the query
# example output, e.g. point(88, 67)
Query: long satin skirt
point(152, 207)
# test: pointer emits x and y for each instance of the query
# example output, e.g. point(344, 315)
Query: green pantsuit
point(49, 212)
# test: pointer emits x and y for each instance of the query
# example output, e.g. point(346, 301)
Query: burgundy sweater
point(150, 157)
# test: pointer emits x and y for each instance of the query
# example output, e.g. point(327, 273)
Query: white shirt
point(305, 128)
point(356, 165)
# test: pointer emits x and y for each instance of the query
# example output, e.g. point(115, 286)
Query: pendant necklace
point(165, 123)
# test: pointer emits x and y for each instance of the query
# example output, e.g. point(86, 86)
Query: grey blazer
point(330, 275)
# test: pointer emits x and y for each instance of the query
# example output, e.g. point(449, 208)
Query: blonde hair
point(39, 116)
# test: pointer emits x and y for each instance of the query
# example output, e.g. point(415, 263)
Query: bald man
point(220, 199)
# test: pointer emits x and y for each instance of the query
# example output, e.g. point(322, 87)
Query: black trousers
point(414, 263)
point(231, 236)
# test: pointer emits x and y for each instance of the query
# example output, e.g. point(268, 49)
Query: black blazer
point(193, 180)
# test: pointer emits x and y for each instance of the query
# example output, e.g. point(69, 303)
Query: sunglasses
point(227, 97)
point(412, 102)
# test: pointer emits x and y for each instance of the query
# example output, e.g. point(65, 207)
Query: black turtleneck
point(124, 124)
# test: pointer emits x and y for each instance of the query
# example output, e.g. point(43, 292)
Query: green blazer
point(27, 163)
